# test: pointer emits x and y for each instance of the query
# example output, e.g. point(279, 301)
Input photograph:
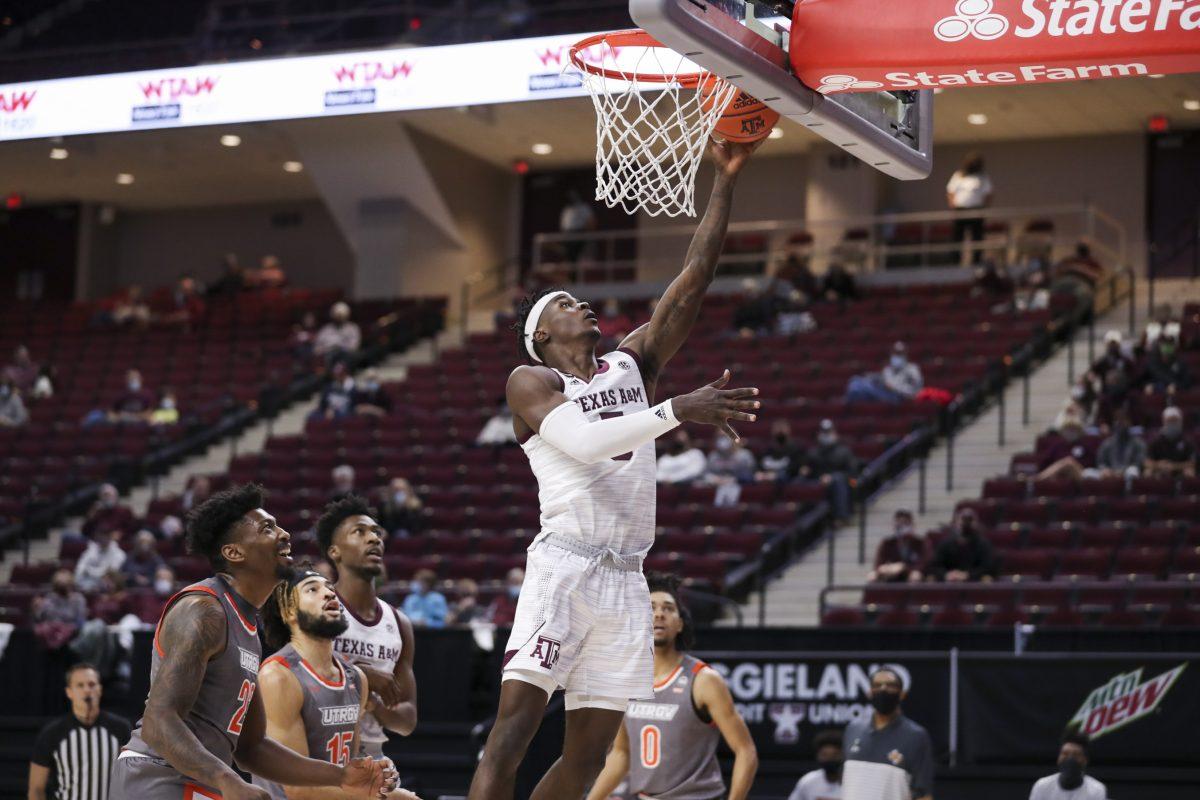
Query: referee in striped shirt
point(73, 756)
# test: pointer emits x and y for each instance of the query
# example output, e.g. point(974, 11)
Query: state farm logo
point(971, 18)
point(1071, 18)
point(164, 97)
point(1122, 700)
point(366, 80)
point(17, 100)
point(843, 83)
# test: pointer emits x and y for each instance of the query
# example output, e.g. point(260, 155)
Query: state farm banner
point(1136, 710)
point(870, 45)
point(786, 698)
point(401, 79)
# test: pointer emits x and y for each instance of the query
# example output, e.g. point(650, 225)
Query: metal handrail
point(999, 587)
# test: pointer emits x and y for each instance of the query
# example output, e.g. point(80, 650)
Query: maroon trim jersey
point(330, 710)
point(672, 749)
point(230, 678)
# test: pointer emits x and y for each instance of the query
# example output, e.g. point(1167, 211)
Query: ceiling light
point(1192, 105)
point(292, 166)
point(776, 133)
point(542, 149)
point(977, 119)
point(231, 140)
point(58, 153)
point(124, 178)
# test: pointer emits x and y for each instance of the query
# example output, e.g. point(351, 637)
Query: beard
point(318, 626)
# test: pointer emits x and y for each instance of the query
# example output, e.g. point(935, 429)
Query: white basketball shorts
point(583, 623)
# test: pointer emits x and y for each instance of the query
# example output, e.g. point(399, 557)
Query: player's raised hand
point(715, 405)
point(364, 777)
point(730, 157)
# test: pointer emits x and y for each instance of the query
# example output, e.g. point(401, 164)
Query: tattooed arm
point(659, 339)
point(193, 631)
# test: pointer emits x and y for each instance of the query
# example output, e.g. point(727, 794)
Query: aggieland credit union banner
point(786, 698)
point(400, 79)
point(1135, 709)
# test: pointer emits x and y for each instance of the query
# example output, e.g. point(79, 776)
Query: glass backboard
point(746, 41)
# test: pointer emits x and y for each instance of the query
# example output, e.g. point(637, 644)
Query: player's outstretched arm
point(713, 696)
point(679, 306)
point(616, 767)
point(192, 632)
point(263, 756)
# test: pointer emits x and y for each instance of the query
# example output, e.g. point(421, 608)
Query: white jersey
point(375, 644)
point(609, 505)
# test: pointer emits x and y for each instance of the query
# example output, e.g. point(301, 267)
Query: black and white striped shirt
point(80, 757)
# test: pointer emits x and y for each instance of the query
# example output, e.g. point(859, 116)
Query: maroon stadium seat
point(843, 617)
point(898, 618)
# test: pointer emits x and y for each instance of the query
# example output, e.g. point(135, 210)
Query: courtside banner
point(402, 79)
point(1136, 710)
point(786, 698)
point(873, 45)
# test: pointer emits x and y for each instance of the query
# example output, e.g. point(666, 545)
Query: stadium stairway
point(793, 598)
point(217, 458)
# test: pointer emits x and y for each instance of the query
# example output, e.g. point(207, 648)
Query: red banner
point(872, 45)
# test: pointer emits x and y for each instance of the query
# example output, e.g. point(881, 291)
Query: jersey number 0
point(651, 746)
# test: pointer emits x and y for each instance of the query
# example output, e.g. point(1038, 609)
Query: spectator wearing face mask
point(103, 555)
point(832, 463)
point(369, 396)
point(887, 736)
point(824, 782)
point(1071, 782)
point(337, 401)
point(143, 561)
point(133, 405)
point(13, 413)
point(899, 381)
point(338, 338)
point(343, 482)
point(401, 511)
point(901, 556)
point(965, 555)
point(426, 606)
point(167, 412)
point(149, 605)
point(1165, 370)
point(1122, 454)
point(682, 462)
point(503, 609)
point(783, 458)
point(1116, 370)
point(729, 466)
point(107, 513)
point(1170, 453)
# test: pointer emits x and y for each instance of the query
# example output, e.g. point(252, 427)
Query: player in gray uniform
point(202, 713)
point(314, 698)
point(668, 746)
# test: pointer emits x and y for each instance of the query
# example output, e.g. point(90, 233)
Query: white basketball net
point(651, 135)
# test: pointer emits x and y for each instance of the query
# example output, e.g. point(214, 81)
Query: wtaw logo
point(1124, 699)
point(16, 100)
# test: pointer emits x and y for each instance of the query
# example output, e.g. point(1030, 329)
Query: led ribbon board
point(878, 45)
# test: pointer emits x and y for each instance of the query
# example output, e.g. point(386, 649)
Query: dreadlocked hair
point(672, 585)
point(335, 514)
point(523, 308)
point(282, 601)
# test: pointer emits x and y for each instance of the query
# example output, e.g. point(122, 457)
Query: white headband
point(531, 322)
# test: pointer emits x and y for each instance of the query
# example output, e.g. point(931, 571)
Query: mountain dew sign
point(1124, 699)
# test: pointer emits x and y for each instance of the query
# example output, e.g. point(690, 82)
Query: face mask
point(134, 386)
point(827, 438)
point(832, 769)
point(514, 592)
point(885, 702)
point(897, 362)
point(1173, 429)
point(108, 502)
point(162, 587)
point(1070, 774)
point(371, 386)
point(5, 391)
point(1071, 433)
point(1078, 393)
point(168, 403)
point(399, 497)
point(724, 445)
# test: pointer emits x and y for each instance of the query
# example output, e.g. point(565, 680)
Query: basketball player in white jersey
point(379, 639)
point(668, 746)
point(588, 426)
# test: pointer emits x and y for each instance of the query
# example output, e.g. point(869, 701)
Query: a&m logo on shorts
point(547, 651)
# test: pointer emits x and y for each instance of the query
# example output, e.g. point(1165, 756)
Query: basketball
point(746, 119)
